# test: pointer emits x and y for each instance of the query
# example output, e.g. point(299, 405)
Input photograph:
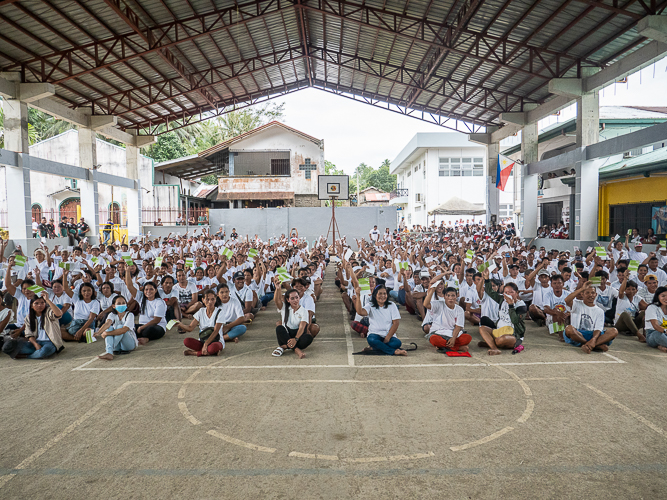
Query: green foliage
point(330, 169)
point(210, 179)
point(40, 126)
point(368, 176)
point(168, 147)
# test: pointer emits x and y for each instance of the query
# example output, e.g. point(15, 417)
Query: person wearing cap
point(635, 253)
point(647, 292)
point(586, 329)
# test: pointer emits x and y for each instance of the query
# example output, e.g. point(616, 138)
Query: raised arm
point(128, 282)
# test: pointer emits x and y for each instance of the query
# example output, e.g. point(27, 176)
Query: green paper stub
point(600, 252)
point(596, 281)
point(65, 265)
point(629, 232)
point(252, 253)
point(158, 261)
point(189, 262)
point(90, 337)
point(281, 270)
point(128, 260)
point(36, 289)
point(20, 260)
point(556, 327)
point(470, 254)
point(94, 260)
point(403, 265)
point(227, 252)
point(283, 277)
point(633, 266)
point(663, 243)
point(171, 324)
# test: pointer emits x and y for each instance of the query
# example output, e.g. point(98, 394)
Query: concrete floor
point(550, 422)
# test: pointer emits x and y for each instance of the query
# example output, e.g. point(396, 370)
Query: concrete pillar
point(88, 188)
point(585, 212)
point(529, 154)
point(492, 193)
point(18, 178)
point(134, 220)
point(588, 114)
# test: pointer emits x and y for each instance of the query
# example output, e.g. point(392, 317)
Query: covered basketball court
point(548, 422)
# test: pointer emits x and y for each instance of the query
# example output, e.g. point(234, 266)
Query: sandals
point(278, 352)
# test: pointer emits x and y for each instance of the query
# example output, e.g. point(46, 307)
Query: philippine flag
point(505, 165)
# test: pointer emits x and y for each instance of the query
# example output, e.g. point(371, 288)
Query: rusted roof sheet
point(255, 195)
point(377, 197)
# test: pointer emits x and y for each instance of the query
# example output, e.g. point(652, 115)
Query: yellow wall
point(633, 190)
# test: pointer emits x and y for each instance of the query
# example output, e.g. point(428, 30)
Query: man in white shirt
point(374, 234)
point(448, 321)
point(587, 322)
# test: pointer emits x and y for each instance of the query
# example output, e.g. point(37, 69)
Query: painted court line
point(627, 410)
point(486, 439)
point(238, 442)
point(348, 337)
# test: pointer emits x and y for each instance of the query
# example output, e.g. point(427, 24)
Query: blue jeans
point(237, 331)
point(654, 338)
point(377, 343)
point(123, 342)
point(75, 326)
point(47, 349)
point(398, 296)
point(66, 318)
point(267, 298)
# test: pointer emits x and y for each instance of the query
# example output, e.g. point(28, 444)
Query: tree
point(167, 147)
point(330, 169)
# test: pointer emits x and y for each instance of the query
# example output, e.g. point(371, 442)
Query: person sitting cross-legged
point(586, 328)
point(656, 320)
point(448, 320)
point(510, 328)
point(292, 331)
point(383, 320)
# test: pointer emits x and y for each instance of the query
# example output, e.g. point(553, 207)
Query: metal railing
point(398, 193)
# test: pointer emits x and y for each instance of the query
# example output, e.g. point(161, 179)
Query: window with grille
point(280, 166)
point(461, 167)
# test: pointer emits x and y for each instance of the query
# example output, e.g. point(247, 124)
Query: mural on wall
point(659, 220)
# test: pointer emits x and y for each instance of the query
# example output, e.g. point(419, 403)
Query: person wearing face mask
point(118, 330)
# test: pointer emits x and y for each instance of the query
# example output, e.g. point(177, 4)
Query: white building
point(269, 166)
point(435, 167)
point(54, 196)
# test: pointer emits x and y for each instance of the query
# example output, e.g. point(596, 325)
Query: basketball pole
point(333, 225)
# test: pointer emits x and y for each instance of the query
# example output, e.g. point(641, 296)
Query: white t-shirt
point(606, 297)
point(204, 320)
point(654, 312)
point(82, 309)
point(446, 319)
point(295, 317)
point(504, 313)
point(155, 308)
point(625, 305)
point(307, 302)
point(231, 311)
point(126, 321)
point(185, 294)
point(59, 301)
point(586, 318)
point(381, 318)
point(539, 293)
point(202, 283)
point(243, 295)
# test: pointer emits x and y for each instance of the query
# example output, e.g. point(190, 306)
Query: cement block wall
point(353, 222)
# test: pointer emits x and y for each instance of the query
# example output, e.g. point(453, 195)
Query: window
point(280, 166)
point(419, 197)
point(461, 167)
point(409, 173)
point(506, 211)
point(418, 209)
point(417, 167)
point(37, 212)
point(631, 216)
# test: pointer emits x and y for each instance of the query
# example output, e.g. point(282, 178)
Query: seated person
point(292, 331)
point(448, 321)
point(206, 318)
point(557, 311)
point(586, 328)
point(630, 310)
point(656, 320)
point(510, 329)
point(383, 320)
point(118, 330)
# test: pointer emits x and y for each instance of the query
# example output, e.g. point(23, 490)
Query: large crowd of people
point(458, 282)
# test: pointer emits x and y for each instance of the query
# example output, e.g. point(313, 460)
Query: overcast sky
point(354, 132)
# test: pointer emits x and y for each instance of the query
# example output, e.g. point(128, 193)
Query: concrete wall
point(277, 138)
point(353, 222)
point(64, 148)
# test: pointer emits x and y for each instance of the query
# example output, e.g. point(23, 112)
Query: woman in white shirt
point(656, 320)
point(152, 323)
point(118, 330)
point(86, 309)
point(231, 316)
point(208, 343)
point(292, 332)
point(383, 319)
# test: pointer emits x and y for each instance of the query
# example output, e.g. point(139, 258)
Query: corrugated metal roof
point(659, 155)
point(166, 62)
